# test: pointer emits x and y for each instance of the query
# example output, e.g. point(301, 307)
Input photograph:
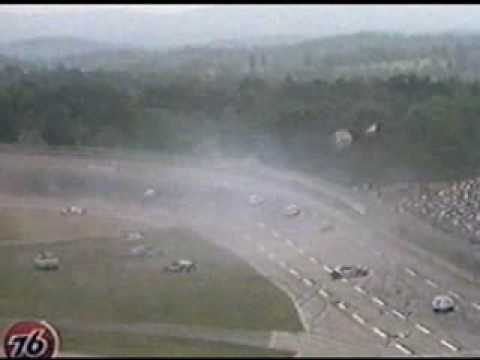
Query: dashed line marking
point(313, 260)
point(307, 282)
point(378, 301)
point(403, 349)
point(294, 272)
point(289, 243)
point(301, 251)
point(275, 234)
point(454, 294)
point(323, 293)
point(342, 305)
point(360, 290)
point(358, 318)
point(431, 283)
point(271, 256)
point(423, 329)
point(476, 306)
point(261, 225)
point(282, 264)
point(410, 272)
point(449, 345)
point(399, 314)
point(327, 269)
point(261, 248)
point(379, 332)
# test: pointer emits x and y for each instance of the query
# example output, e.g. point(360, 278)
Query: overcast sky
point(35, 9)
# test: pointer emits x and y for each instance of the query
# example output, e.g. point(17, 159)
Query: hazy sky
point(35, 9)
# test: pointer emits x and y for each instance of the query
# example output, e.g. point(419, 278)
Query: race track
point(387, 313)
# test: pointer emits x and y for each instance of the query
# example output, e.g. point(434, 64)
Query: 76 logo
point(31, 340)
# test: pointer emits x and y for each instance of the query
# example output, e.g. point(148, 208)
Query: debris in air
point(46, 261)
point(443, 304)
point(372, 129)
point(181, 266)
point(73, 210)
point(343, 138)
point(348, 272)
point(255, 200)
point(149, 194)
point(291, 210)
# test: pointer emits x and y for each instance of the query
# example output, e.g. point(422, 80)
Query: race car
point(73, 210)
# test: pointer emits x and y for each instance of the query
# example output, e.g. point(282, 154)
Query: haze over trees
point(280, 100)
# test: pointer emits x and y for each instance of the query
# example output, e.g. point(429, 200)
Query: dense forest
point(429, 127)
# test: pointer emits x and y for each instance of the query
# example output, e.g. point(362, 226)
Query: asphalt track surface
point(387, 313)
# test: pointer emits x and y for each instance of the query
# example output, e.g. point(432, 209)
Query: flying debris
point(149, 195)
point(443, 304)
point(343, 138)
point(373, 129)
point(46, 261)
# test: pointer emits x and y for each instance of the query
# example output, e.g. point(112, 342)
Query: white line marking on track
point(275, 234)
point(476, 306)
point(431, 283)
point(403, 349)
point(294, 272)
point(342, 305)
point(422, 328)
point(261, 248)
point(358, 318)
point(379, 332)
point(282, 264)
point(260, 225)
point(378, 301)
point(323, 293)
point(289, 243)
point(360, 290)
point(399, 314)
point(307, 282)
point(449, 345)
point(313, 260)
point(327, 269)
point(410, 272)
point(454, 294)
point(271, 256)
point(300, 251)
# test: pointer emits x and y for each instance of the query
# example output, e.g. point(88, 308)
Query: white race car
point(46, 261)
point(255, 200)
point(443, 304)
point(73, 210)
point(291, 210)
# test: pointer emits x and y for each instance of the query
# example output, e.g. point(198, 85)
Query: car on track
point(443, 304)
point(181, 265)
point(291, 210)
point(255, 200)
point(46, 261)
point(134, 235)
point(74, 210)
point(348, 272)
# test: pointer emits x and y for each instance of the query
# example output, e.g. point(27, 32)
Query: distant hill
point(52, 48)
point(240, 22)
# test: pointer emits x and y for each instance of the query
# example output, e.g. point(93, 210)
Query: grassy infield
point(99, 283)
